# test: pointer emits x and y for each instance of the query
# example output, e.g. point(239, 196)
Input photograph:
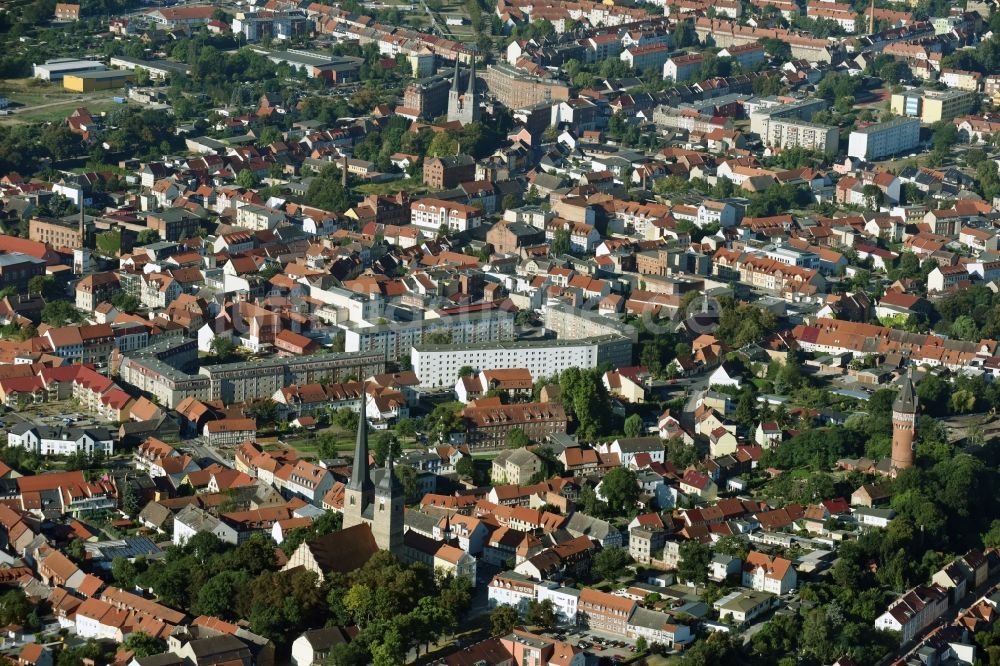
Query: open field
point(36, 101)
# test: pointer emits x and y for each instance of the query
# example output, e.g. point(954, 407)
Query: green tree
point(640, 645)
point(147, 236)
point(633, 426)
point(560, 243)
point(620, 489)
point(503, 619)
point(541, 614)
point(44, 286)
point(746, 409)
point(609, 563)
point(383, 444)
point(143, 645)
point(247, 179)
point(406, 428)
point(14, 607)
point(124, 572)
point(222, 348)
point(694, 559)
point(60, 313)
point(389, 651)
point(327, 192)
point(991, 538)
point(125, 302)
point(442, 145)
point(517, 439)
point(465, 467)
point(218, 595)
point(131, 502)
point(733, 546)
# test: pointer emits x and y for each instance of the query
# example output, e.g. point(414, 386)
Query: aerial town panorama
point(500, 333)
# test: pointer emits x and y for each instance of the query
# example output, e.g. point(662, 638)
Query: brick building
point(488, 421)
point(56, 233)
point(444, 172)
point(507, 236)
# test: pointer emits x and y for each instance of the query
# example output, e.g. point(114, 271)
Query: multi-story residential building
point(641, 58)
point(605, 612)
point(913, 612)
point(511, 589)
point(683, 67)
point(764, 573)
point(833, 335)
point(305, 399)
point(516, 466)
point(306, 480)
point(946, 278)
point(646, 543)
point(747, 55)
point(258, 218)
point(397, 339)
point(17, 269)
point(60, 441)
point(776, 276)
point(488, 423)
point(176, 17)
point(960, 79)
point(82, 344)
point(438, 365)
point(657, 627)
point(515, 88)
point(67, 12)
point(793, 133)
point(880, 140)
point(436, 214)
point(238, 382)
point(507, 236)
point(95, 289)
point(799, 110)
point(931, 106)
point(230, 431)
point(174, 224)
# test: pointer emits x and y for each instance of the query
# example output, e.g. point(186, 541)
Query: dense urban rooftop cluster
point(552, 333)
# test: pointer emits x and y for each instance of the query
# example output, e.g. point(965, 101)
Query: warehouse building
point(89, 81)
point(55, 70)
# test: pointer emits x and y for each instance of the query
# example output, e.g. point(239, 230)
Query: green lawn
point(308, 443)
point(411, 185)
point(110, 243)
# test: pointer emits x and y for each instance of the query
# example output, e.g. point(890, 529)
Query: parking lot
point(600, 644)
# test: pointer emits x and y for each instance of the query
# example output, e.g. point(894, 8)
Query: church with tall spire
point(463, 107)
point(374, 498)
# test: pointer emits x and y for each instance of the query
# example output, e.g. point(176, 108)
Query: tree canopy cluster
point(396, 607)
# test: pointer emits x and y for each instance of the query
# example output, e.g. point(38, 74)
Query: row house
point(836, 336)
point(230, 431)
point(306, 399)
point(433, 214)
point(90, 344)
point(305, 480)
point(775, 276)
point(913, 612)
point(158, 458)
